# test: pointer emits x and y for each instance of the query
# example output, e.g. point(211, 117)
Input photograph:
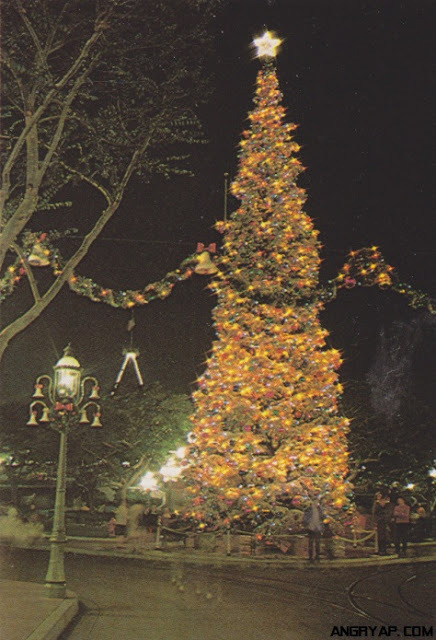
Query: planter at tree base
point(190, 541)
point(292, 545)
point(205, 542)
point(239, 543)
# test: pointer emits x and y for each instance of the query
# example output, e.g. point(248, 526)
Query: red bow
point(211, 248)
point(64, 407)
point(350, 283)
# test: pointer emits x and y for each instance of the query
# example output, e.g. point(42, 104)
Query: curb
point(272, 563)
point(58, 620)
point(223, 560)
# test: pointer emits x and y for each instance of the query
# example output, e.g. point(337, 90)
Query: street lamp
point(58, 400)
point(171, 472)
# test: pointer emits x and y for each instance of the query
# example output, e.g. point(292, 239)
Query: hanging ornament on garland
point(36, 250)
point(205, 266)
point(40, 254)
point(130, 356)
point(198, 263)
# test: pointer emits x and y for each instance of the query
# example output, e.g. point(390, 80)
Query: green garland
point(132, 298)
point(365, 267)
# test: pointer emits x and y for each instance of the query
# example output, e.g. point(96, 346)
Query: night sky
point(356, 78)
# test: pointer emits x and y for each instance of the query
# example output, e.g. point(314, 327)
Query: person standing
point(401, 518)
point(420, 526)
point(111, 527)
point(313, 522)
point(382, 516)
point(121, 516)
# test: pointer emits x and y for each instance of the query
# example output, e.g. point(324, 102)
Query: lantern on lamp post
point(171, 472)
point(58, 400)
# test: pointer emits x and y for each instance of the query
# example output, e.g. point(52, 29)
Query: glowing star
point(266, 45)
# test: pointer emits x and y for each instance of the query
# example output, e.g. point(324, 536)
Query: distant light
point(171, 470)
point(432, 472)
point(266, 45)
point(149, 482)
point(410, 485)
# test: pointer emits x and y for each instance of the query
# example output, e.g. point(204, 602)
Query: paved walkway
point(26, 613)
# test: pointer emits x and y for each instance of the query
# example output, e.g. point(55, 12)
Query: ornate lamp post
point(171, 472)
point(59, 399)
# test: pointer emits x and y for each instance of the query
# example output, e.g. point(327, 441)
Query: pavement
point(26, 613)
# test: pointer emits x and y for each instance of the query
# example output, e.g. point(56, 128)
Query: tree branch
point(107, 195)
point(84, 52)
point(19, 324)
point(32, 33)
point(27, 207)
point(49, 48)
point(53, 145)
point(29, 272)
point(16, 77)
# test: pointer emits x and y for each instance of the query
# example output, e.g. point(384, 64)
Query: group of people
point(392, 518)
point(130, 519)
point(393, 521)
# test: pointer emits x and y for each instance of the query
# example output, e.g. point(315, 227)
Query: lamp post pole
point(64, 396)
point(55, 582)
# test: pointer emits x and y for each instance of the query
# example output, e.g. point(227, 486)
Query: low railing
point(234, 540)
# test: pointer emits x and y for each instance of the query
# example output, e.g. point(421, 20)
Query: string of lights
point(365, 267)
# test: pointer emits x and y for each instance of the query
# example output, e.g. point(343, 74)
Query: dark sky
point(356, 77)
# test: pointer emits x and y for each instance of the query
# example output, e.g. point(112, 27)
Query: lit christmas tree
point(267, 435)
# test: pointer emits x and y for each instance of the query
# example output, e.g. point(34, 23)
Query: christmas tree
point(267, 434)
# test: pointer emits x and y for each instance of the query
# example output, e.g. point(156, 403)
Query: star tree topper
point(266, 45)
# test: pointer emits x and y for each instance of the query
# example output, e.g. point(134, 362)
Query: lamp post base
point(55, 583)
point(55, 589)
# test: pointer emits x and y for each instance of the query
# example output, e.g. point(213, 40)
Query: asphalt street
point(131, 599)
